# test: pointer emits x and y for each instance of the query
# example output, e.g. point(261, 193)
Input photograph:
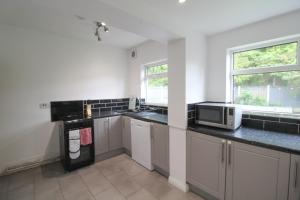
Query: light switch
point(44, 106)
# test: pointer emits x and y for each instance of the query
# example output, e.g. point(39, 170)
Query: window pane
point(279, 89)
point(284, 54)
point(157, 69)
point(157, 90)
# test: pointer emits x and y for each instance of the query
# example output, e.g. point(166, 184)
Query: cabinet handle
point(223, 150)
point(296, 175)
point(229, 152)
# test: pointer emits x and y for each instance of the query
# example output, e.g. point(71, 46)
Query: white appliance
point(141, 143)
point(132, 103)
point(228, 116)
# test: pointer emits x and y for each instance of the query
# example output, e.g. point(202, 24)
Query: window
point(156, 83)
point(267, 77)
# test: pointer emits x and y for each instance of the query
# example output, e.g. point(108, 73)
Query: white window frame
point(147, 77)
point(270, 69)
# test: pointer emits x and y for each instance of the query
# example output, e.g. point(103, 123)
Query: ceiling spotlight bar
point(100, 25)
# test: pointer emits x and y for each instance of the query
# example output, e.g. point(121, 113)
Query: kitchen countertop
point(143, 115)
point(273, 140)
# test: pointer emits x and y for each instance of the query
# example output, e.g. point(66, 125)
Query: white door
point(141, 143)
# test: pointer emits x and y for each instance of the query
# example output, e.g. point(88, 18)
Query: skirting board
point(179, 184)
point(27, 165)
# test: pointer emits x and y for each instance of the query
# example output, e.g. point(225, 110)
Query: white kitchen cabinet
point(141, 143)
point(206, 163)
point(294, 189)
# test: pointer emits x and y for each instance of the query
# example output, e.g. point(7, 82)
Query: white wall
point(147, 52)
point(218, 76)
point(38, 67)
point(196, 64)
point(177, 115)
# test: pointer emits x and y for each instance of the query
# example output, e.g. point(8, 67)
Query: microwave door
point(211, 114)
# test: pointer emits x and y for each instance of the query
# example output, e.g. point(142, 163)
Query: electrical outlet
point(44, 106)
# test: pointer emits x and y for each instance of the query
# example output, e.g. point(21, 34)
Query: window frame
point(261, 70)
point(147, 77)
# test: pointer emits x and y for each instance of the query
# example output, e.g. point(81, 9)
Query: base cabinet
point(160, 147)
point(251, 172)
point(256, 173)
point(126, 133)
point(294, 189)
point(108, 134)
point(101, 135)
point(115, 133)
point(206, 163)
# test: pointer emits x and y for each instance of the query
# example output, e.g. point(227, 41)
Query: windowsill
point(271, 113)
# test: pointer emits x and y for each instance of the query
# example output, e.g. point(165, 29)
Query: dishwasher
point(141, 143)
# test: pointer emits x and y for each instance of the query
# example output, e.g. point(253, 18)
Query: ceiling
point(132, 22)
point(33, 15)
point(205, 16)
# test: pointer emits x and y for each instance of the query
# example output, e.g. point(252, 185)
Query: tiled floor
point(118, 178)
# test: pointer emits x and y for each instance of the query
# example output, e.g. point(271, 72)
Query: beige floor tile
point(109, 169)
point(141, 195)
point(145, 178)
point(3, 187)
point(174, 194)
point(96, 182)
point(134, 169)
point(51, 194)
point(79, 195)
point(193, 196)
point(72, 184)
point(127, 187)
point(118, 177)
point(88, 170)
point(159, 189)
point(25, 192)
point(21, 179)
point(110, 194)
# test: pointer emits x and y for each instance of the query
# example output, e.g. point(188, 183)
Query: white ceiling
point(206, 16)
point(33, 15)
point(134, 21)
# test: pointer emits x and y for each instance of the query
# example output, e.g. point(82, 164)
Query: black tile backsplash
point(259, 117)
point(281, 127)
point(263, 122)
point(106, 105)
point(253, 123)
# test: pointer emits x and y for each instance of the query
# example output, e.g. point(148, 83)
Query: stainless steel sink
point(145, 114)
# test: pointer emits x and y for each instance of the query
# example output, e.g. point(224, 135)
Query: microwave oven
point(226, 116)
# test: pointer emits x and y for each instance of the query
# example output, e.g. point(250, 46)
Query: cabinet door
point(256, 173)
point(126, 133)
point(206, 162)
point(160, 146)
point(294, 189)
point(101, 135)
point(115, 133)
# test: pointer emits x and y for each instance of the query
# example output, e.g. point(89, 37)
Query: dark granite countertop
point(273, 140)
point(144, 116)
point(154, 117)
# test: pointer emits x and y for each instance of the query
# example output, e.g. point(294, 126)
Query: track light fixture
point(100, 25)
